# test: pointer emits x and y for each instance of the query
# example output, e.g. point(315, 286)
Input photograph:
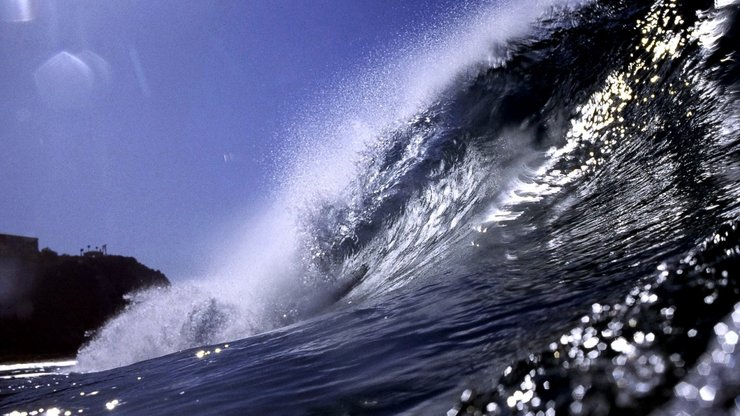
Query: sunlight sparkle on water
point(54, 411)
point(112, 404)
point(217, 350)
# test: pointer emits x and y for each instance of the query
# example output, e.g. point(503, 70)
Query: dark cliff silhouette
point(54, 303)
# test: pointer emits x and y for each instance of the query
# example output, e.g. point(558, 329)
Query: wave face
point(563, 210)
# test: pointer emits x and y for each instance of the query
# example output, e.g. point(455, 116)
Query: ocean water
point(549, 225)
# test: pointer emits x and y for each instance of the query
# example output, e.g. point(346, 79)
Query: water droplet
point(707, 393)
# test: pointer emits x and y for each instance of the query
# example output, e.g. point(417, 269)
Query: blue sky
point(149, 125)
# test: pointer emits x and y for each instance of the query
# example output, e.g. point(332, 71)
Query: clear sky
point(149, 125)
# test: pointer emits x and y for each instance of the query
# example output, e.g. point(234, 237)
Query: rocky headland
point(52, 304)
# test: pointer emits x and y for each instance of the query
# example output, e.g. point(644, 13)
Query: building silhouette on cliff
point(16, 246)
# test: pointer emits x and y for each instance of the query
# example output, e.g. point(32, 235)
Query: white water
point(320, 153)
